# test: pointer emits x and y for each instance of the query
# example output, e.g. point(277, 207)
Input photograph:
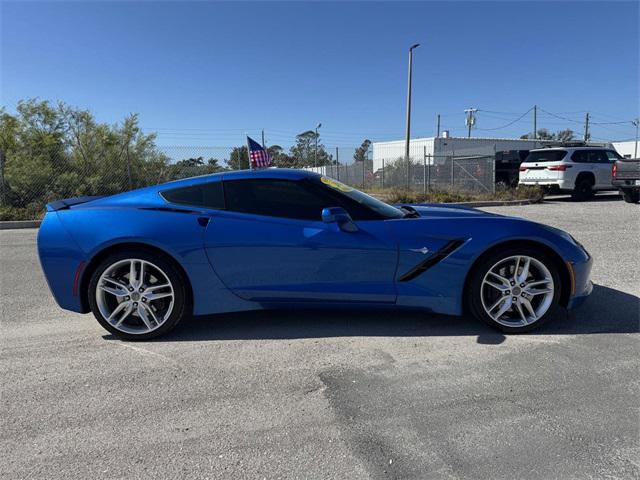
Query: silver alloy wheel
point(517, 291)
point(134, 296)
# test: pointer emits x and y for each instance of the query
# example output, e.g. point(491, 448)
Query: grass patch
point(24, 213)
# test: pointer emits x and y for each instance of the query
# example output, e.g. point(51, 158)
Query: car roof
point(150, 195)
point(568, 148)
point(282, 173)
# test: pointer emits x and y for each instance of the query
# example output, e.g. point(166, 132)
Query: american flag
point(259, 156)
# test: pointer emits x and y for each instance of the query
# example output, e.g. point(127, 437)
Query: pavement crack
point(149, 353)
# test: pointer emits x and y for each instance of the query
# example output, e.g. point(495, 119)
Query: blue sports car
point(143, 260)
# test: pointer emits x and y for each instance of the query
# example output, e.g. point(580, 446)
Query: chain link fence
point(30, 179)
point(472, 174)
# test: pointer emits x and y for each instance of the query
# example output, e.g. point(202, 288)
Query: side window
point(274, 198)
point(205, 195)
point(580, 156)
point(600, 156)
point(333, 198)
point(597, 156)
point(612, 156)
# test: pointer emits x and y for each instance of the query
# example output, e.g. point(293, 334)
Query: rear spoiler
point(70, 202)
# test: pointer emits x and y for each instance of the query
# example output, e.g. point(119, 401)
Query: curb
point(17, 224)
point(497, 203)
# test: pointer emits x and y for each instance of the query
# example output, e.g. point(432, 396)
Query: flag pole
point(248, 152)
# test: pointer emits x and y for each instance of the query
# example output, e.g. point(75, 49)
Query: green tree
point(543, 134)
point(193, 167)
point(565, 135)
point(239, 158)
point(361, 152)
point(280, 158)
point(57, 151)
point(560, 136)
point(304, 151)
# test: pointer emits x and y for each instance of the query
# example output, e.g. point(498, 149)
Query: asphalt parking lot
point(330, 394)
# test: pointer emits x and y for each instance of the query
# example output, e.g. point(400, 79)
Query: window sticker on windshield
point(335, 184)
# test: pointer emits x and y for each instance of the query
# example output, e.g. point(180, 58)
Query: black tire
point(631, 195)
point(583, 189)
point(474, 290)
point(168, 267)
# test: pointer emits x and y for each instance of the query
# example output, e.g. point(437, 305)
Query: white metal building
point(627, 148)
point(436, 148)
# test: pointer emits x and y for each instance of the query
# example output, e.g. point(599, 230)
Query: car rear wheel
point(515, 290)
point(630, 195)
point(583, 189)
point(137, 295)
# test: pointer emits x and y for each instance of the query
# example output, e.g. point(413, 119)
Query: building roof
point(420, 139)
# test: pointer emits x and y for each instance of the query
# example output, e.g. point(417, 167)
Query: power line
point(561, 117)
point(501, 113)
point(508, 124)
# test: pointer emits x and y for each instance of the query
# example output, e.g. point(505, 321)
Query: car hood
point(448, 211)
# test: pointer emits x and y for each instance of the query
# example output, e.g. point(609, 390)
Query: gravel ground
point(333, 394)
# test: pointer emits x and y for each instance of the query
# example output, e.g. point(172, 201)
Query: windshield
point(383, 209)
point(545, 156)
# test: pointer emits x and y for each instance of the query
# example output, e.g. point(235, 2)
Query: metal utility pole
point(535, 122)
point(636, 122)
point(471, 119)
point(408, 132)
point(263, 138)
point(438, 128)
point(315, 153)
point(586, 128)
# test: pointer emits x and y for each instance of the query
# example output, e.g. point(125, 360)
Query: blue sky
point(203, 73)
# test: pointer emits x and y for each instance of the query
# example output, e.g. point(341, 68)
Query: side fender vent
point(434, 259)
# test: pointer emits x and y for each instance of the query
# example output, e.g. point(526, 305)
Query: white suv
point(579, 170)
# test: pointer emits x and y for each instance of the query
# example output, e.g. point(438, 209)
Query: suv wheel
point(631, 195)
point(583, 189)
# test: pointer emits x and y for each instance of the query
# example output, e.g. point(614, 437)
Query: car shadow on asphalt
point(606, 311)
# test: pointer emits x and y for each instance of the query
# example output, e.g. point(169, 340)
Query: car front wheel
point(137, 295)
point(515, 290)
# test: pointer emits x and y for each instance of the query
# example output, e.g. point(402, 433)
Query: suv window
point(580, 156)
point(599, 156)
point(274, 198)
point(545, 156)
point(612, 156)
point(206, 195)
point(590, 156)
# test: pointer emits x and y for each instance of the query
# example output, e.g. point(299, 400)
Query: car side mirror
point(339, 216)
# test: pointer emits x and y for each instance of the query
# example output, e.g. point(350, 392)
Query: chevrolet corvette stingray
point(143, 260)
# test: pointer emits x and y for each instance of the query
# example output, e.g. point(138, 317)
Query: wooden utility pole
point(471, 119)
point(586, 128)
point(535, 122)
